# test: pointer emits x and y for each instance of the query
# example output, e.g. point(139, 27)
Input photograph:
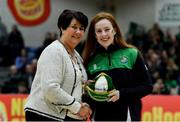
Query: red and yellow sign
point(30, 12)
point(161, 108)
point(155, 108)
point(12, 107)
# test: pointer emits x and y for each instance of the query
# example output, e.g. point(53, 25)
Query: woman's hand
point(114, 96)
point(85, 111)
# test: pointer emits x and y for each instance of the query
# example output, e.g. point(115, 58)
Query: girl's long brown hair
point(90, 45)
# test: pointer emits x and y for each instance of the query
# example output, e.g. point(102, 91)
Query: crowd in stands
point(161, 51)
point(20, 60)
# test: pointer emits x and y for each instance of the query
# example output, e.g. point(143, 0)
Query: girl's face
point(104, 33)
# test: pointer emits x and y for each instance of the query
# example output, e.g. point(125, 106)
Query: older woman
point(57, 87)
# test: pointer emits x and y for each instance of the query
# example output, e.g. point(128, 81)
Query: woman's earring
point(62, 30)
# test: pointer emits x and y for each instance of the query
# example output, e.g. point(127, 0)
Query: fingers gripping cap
point(100, 89)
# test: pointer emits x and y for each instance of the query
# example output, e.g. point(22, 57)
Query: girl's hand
point(114, 96)
point(88, 82)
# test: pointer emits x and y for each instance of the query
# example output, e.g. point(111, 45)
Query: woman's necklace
point(70, 52)
point(73, 58)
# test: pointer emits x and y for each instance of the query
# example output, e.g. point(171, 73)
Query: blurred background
point(28, 26)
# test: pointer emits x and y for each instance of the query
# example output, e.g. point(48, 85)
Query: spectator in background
point(13, 79)
point(34, 65)
point(153, 63)
point(15, 42)
point(54, 36)
point(171, 87)
point(156, 31)
point(14, 74)
point(3, 33)
point(177, 36)
point(29, 75)
point(158, 86)
point(49, 38)
point(155, 37)
point(22, 87)
point(3, 42)
point(22, 60)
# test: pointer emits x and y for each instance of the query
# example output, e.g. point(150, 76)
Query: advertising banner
point(167, 12)
point(29, 12)
point(12, 107)
point(161, 108)
point(155, 108)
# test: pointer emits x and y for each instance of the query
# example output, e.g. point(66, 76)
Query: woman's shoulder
point(55, 46)
point(54, 50)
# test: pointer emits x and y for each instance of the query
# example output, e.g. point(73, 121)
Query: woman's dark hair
point(66, 17)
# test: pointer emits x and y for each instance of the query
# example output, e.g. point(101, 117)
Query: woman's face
point(104, 33)
point(73, 34)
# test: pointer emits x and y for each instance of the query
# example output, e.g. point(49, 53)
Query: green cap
point(99, 90)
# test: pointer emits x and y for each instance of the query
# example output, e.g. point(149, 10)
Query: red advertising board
point(155, 108)
point(161, 108)
point(11, 107)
